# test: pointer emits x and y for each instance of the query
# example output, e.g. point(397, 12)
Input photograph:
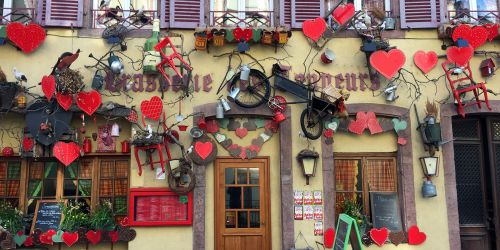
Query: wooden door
point(242, 209)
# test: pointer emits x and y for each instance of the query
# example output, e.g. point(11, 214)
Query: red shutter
point(286, 12)
point(187, 13)
point(165, 14)
point(306, 9)
point(419, 14)
point(68, 13)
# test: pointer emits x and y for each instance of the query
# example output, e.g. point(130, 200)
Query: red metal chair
point(169, 60)
point(461, 81)
point(149, 154)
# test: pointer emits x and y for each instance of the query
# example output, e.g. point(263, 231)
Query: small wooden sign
point(385, 211)
point(347, 231)
point(48, 215)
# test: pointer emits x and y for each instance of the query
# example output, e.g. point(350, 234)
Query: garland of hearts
point(380, 236)
point(252, 124)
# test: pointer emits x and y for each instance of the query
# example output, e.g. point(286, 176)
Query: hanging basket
point(8, 92)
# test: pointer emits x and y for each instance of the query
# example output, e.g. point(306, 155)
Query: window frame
point(125, 4)
point(273, 7)
point(22, 180)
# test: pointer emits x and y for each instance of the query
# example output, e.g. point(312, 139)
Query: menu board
point(345, 233)
point(48, 215)
point(385, 211)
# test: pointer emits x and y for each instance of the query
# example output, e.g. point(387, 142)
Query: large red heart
point(474, 36)
point(46, 238)
point(64, 100)
point(241, 132)
point(66, 152)
point(329, 237)
point(89, 102)
point(70, 238)
point(203, 149)
point(388, 63)
point(379, 236)
point(372, 123)
point(343, 13)
point(152, 109)
point(93, 236)
point(492, 30)
point(459, 55)
point(314, 28)
point(425, 61)
point(49, 86)
point(245, 34)
point(359, 125)
point(27, 37)
point(113, 235)
point(415, 237)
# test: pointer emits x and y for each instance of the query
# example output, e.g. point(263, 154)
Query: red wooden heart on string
point(372, 123)
point(492, 30)
point(474, 36)
point(70, 238)
point(415, 237)
point(28, 242)
point(66, 153)
point(46, 238)
point(49, 86)
point(328, 133)
point(459, 55)
point(314, 28)
point(93, 236)
point(241, 132)
point(379, 236)
point(27, 37)
point(64, 100)
point(402, 141)
point(203, 149)
point(245, 34)
point(388, 63)
point(358, 126)
point(133, 117)
point(152, 109)
point(329, 237)
point(113, 235)
point(343, 13)
point(212, 126)
point(28, 144)
point(425, 61)
point(89, 102)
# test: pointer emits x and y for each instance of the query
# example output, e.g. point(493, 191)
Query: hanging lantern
point(308, 160)
point(115, 64)
point(115, 130)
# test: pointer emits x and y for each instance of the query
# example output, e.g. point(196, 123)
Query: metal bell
point(225, 104)
point(233, 94)
point(428, 189)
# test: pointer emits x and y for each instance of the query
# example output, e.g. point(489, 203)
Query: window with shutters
point(16, 11)
point(60, 13)
point(416, 14)
point(294, 12)
point(473, 11)
point(132, 14)
point(244, 13)
point(187, 14)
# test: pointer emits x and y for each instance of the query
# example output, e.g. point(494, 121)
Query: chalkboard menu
point(385, 211)
point(48, 215)
point(347, 232)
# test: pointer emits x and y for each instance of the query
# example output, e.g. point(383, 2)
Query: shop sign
point(349, 81)
point(151, 83)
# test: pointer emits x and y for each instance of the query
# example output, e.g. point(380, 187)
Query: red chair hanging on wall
point(150, 149)
point(169, 60)
point(461, 82)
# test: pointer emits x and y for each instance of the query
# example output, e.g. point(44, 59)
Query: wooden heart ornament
point(329, 237)
point(388, 63)
point(66, 153)
point(152, 109)
point(204, 150)
point(459, 55)
point(49, 86)
point(114, 236)
point(26, 37)
point(425, 61)
point(397, 237)
point(89, 102)
point(70, 238)
point(314, 29)
point(28, 143)
point(46, 238)
point(474, 36)
point(241, 132)
point(20, 238)
point(379, 236)
point(64, 100)
point(242, 34)
point(343, 13)
point(94, 237)
point(415, 237)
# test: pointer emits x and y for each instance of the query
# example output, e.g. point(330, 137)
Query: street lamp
point(308, 160)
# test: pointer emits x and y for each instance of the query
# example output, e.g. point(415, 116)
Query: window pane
point(144, 4)
point(252, 197)
point(71, 171)
point(121, 187)
point(120, 205)
point(106, 188)
point(255, 219)
point(85, 170)
point(233, 197)
point(50, 170)
point(230, 219)
point(14, 170)
point(122, 168)
point(70, 187)
point(254, 175)
point(229, 175)
point(3, 170)
point(34, 188)
point(49, 188)
point(3, 188)
point(347, 202)
point(13, 202)
point(242, 175)
point(242, 219)
point(84, 187)
point(107, 169)
point(13, 188)
point(381, 175)
point(36, 170)
point(347, 175)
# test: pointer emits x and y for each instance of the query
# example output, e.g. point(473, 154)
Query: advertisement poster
point(318, 197)
point(308, 198)
point(308, 212)
point(298, 213)
point(298, 195)
point(318, 212)
point(318, 228)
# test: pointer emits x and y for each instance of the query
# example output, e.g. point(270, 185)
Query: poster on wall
point(298, 213)
point(318, 197)
point(308, 198)
point(298, 195)
point(318, 212)
point(318, 228)
point(308, 212)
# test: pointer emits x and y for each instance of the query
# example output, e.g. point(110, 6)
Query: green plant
point(102, 218)
point(350, 207)
point(75, 216)
point(11, 219)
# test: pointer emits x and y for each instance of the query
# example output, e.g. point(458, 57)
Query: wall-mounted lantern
point(430, 165)
point(308, 160)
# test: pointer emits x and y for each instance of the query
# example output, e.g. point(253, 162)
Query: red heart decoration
point(359, 125)
point(388, 63)
point(152, 109)
point(245, 34)
point(372, 123)
point(133, 117)
point(254, 148)
point(89, 102)
point(49, 86)
point(415, 237)
point(203, 149)
point(425, 61)
point(28, 242)
point(124, 222)
point(328, 133)
point(70, 238)
point(492, 30)
point(329, 237)
point(474, 36)
point(113, 235)
point(314, 28)
point(27, 37)
point(46, 238)
point(27, 144)
point(402, 141)
point(241, 132)
point(379, 236)
point(64, 100)
point(93, 236)
point(212, 126)
point(459, 56)
point(66, 152)
point(343, 13)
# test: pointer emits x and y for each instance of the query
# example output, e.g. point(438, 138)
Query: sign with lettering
point(347, 232)
point(347, 81)
point(385, 211)
point(151, 83)
point(48, 215)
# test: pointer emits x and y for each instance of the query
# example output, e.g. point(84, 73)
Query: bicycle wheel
point(311, 124)
point(253, 92)
point(181, 180)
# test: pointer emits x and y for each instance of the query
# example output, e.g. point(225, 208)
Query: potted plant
point(102, 218)
point(352, 208)
point(76, 215)
point(11, 219)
